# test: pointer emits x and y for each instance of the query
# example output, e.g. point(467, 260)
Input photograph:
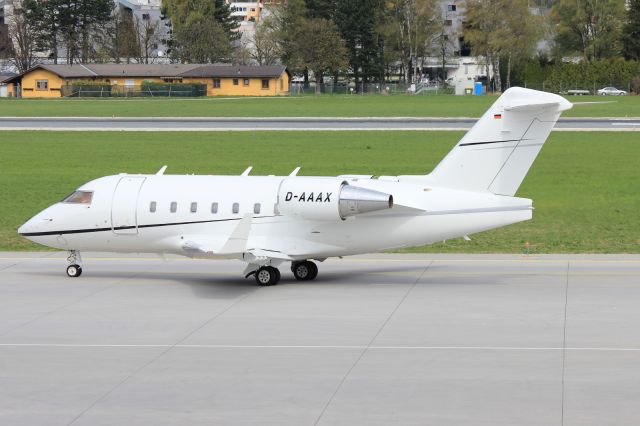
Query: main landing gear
point(267, 275)
point(74, 269)
point(303, 271)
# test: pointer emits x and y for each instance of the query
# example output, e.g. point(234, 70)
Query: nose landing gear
point(74, 269)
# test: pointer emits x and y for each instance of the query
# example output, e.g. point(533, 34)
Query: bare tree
point(148, 37)
point(23, 34)
point(266, 45)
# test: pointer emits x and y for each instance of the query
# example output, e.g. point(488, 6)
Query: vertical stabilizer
point(496, 154)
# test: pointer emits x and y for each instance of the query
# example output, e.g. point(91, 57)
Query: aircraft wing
point(234, 246)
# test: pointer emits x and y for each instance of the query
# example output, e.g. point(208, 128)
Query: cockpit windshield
point(79, 197)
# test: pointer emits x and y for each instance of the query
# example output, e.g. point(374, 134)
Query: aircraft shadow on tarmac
point(231, 286)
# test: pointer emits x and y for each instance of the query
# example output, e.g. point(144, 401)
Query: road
point(311, 123)
point(374, 340)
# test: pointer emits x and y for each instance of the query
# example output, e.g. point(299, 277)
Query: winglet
point(161, 171)
point(247, 171)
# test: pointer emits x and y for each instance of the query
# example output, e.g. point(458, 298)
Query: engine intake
point(328, 199)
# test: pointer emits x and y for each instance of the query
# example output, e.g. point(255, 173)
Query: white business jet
point(265, 221)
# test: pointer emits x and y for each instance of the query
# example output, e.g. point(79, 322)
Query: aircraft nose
point(26, 227)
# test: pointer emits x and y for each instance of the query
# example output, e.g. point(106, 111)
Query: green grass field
point(298, 106)
point(584, 185)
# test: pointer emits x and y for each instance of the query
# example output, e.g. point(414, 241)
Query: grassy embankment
point(585, 185)
point(298, 106)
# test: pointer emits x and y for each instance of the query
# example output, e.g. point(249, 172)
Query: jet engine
point(328, 199)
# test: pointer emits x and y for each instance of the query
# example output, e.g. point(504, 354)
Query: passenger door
point(124, 205)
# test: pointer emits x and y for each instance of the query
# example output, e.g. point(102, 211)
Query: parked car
point(611, 91)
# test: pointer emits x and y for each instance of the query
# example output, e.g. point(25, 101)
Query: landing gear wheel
point(74, 271)
point(305, 270)
point(267, 275)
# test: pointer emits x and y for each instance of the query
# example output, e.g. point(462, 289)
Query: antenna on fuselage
point(161, 171)
point(295, 171)
point(247, 171)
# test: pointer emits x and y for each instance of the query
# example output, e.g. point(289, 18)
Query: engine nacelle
point(316, 198)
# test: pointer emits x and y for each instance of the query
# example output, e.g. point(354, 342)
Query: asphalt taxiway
point(287, 123)
point(377, 339)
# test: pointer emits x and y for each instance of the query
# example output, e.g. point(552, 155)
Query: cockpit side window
point(79, 197)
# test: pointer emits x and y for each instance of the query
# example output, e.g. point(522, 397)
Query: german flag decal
point(497, 116)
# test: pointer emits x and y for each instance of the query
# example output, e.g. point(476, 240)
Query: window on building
point(245, 81)
point(451, 7)
point(448, 22)
point(152, 207)
point(42, 84)
point(235, 81)
point(236, 208)
point(145, 16)
point(265, 83)
point(253, 9)
point(214, 208)
point(256, 208)
point(216, 83)
point(174, 207)
point(194, 207)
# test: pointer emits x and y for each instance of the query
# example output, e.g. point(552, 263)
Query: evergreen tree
point(222, 14)
point(631, 31)
point(325, 9)
point(358, 21)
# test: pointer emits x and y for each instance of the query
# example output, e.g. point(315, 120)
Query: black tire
point(267, 276)
point(304, 271)
point(314, 271)
point(74, 271)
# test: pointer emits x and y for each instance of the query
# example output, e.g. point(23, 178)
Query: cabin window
point(235, 81)
point(245, 81)
point(152, 207)
point(79, 197)
point(256, 208)
point(174, 207)
point(265, 83)
point(236, 207)
point(216, 83)
point(194, 207)
point(214, 208)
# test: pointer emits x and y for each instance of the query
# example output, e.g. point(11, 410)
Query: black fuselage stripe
point(122, 228)
point(488, 142)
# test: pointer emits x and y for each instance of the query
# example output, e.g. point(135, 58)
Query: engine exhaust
point(354, 201)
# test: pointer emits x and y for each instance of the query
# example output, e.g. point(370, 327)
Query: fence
point(145, 90)
point(343, 88)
